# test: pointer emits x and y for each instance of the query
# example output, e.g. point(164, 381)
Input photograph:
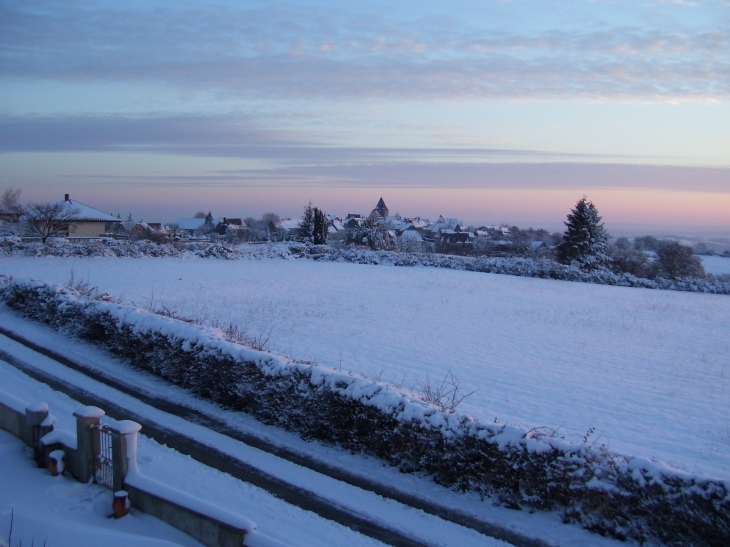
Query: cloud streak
point(295, 160)
point(538, 177)
point(292, 52)
point(223, 136)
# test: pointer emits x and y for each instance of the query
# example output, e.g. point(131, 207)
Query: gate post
point(34, 416)
point(124, 450)
point(87, 421)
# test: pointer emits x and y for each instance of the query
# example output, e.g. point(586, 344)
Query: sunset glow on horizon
point(488, 111)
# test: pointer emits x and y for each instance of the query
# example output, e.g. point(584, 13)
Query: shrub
point(674, 260)
point(627, 260)
point(623, 497)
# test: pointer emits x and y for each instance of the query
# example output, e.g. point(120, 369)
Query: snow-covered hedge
point(527, 267)
point(622, 497)
point(107, 247)
point(524, 267)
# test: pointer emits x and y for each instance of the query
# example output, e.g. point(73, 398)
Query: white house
point(410, 241)
point(85, 220)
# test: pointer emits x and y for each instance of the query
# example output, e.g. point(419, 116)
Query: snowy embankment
point(527, 267)
point(621, 496)
point(523, 267)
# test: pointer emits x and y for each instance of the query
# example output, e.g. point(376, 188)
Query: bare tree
point(10, 201)
point(674, 260)
point(270, 217)
point(45, 220)
point(10, 211)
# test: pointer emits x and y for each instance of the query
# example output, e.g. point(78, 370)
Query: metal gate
point(103, 460)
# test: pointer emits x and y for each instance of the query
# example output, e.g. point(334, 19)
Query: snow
point(646, 368)
point(62, 436)
point(89, 412)
point(81, 211)
point(127, 427)
point(38, 407)
point(274, 518)
point(65, 513)
point(716, 265)
point(195, 504)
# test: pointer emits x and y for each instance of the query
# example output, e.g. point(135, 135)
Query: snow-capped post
point(124, 450)
point(57, 462)
point(46, 427)
point(34, 417)
point(121, 505)
point(87, 428)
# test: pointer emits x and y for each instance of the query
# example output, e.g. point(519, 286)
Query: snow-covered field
point(716, 265)
point(646, 369)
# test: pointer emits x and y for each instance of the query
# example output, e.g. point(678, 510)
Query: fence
point(103, 456)
point(106, 454)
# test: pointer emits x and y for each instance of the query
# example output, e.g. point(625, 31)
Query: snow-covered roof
point(418, 222)
point(444, 223)
point(86, 213)
point(151, 226)
point(410, 235)
point(288, 224)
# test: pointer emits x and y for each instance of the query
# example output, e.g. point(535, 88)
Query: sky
point(490, 111)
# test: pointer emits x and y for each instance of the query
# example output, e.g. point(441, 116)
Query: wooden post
point(87, 422)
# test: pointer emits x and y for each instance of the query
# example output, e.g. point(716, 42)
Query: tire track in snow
point(208, 455)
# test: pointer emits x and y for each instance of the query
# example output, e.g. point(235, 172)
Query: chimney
point(66, 198)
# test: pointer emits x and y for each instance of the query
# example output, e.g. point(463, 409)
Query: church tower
point(380, 211)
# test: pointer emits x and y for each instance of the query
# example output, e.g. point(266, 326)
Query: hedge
point(623, 497)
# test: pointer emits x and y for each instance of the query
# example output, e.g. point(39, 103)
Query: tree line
point(584, 244)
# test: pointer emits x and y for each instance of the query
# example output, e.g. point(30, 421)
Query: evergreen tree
point(585, 242)
point(306, 225)
point(320, 228)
